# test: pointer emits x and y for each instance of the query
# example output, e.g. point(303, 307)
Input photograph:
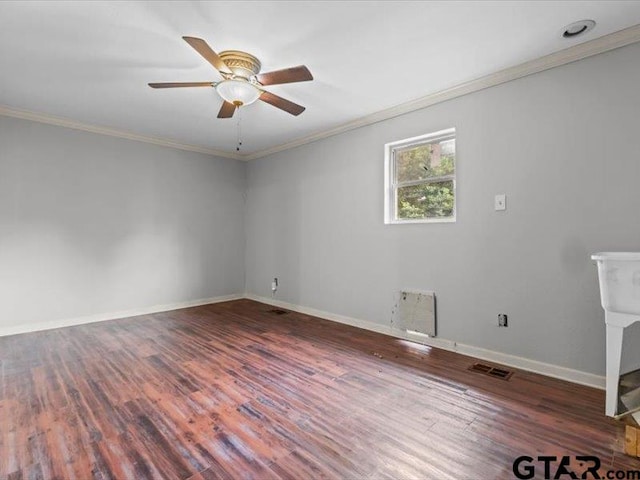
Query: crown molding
point(593, 47)
point(572, 54)
point(65, 122)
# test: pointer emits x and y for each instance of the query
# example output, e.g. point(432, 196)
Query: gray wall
point(564, 145)
point(91, 224)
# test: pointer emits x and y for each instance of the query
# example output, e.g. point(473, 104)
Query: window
point(420, 179)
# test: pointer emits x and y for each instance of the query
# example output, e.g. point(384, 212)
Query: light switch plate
point(500, 202)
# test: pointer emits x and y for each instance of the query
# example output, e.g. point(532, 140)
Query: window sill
point(421, 220)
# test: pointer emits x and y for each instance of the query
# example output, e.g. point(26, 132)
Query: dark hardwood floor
point(233, 391)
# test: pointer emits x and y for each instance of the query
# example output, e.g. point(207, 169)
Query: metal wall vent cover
point(501, 373)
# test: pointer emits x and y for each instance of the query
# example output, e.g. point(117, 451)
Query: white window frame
point(391, 185)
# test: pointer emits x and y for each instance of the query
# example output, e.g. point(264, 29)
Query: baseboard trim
point(548, 369)
point(101, 317)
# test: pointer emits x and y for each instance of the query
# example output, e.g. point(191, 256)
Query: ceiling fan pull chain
point(239, 130)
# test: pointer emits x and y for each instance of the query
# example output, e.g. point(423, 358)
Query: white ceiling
point(91, 61)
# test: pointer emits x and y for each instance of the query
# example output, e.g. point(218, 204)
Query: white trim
point(550, 370)
point(111, 132)
point(391, 185)
point(440, 135)
point(101, 317)
point(418, 221)
point(593, 47)
point(563, 373)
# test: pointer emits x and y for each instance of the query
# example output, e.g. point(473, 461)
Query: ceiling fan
point(242, 81)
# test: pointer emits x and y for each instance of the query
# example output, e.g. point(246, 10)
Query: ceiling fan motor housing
point(242, 64)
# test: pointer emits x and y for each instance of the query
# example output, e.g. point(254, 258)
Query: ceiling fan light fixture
point(242, 82)
point(238, 92)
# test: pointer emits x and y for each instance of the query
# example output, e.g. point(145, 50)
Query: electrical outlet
point(274, 285)
point(502, 320)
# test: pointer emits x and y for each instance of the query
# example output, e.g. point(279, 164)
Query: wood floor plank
point(231, 390)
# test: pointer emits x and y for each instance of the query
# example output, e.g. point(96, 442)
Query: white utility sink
point(619, 275)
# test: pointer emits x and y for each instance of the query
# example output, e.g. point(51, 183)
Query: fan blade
point(181, 84)
point(287, 75)
point(282, 103)
point(209, 55)
point(227, 110)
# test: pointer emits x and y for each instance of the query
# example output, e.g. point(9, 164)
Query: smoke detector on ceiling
point(577, 28)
